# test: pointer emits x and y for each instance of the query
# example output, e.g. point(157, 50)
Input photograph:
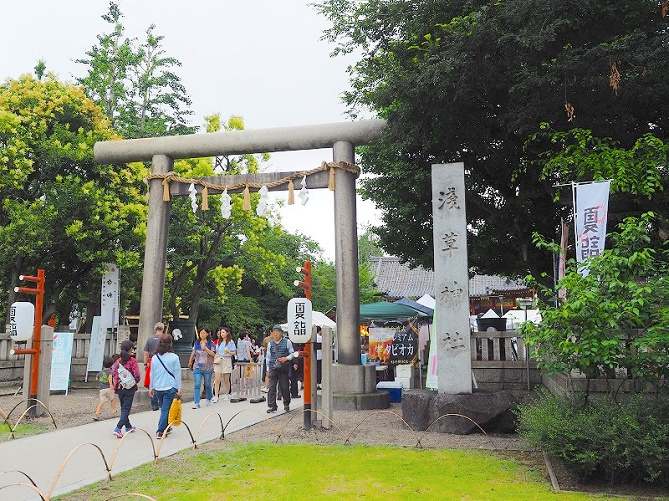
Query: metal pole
point(527, 356)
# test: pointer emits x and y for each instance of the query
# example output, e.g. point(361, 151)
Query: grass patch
point(303, 471)
point(22, 430)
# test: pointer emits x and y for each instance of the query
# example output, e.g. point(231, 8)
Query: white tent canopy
point(427, 300)
point(318, 318)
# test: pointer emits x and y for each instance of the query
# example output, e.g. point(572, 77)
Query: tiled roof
point(482, 285)
point(396, 279)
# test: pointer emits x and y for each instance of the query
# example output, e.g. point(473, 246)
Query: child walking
point(125, 374)
point(106, 387)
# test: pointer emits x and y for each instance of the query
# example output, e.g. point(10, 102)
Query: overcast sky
point(261, 59)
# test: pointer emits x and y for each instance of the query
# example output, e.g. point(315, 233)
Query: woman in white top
point(223, 363)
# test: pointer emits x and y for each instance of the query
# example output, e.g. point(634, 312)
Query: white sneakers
point(227, 397)
point(214, 400)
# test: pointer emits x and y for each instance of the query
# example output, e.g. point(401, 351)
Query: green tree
point(615, 317)
point(135, 84)
point(368, 246)
point(638, 174)
point(60, 210)
point(472, 81)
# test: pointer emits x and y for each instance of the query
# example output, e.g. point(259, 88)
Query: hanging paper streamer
point(193, 199)
point(226, 205)
point(262, 203)
point(304, 192)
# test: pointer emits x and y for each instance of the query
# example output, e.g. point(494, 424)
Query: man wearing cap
point(280, 353)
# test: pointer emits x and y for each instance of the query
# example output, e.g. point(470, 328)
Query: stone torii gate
point(350, 377)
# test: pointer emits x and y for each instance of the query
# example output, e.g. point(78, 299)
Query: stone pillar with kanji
point(451, 279)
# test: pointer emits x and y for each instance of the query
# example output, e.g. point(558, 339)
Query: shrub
point(621, 442)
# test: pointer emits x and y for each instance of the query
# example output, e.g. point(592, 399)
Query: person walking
point(265, 369)
point(149, 350)
point(165, 380)
point(244, 352)
point(225, 350)
point(125, 376)
point(104, 377)
point(202, 358)
point(280, 353)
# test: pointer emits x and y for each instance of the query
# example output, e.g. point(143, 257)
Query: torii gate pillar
point(155, 255)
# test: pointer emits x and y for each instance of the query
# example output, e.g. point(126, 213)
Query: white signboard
point(96, 350)
point(109, 298)
point(108, 319)
point(61, 359)
point(299, 320)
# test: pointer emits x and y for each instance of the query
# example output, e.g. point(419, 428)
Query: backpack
point(125, 378)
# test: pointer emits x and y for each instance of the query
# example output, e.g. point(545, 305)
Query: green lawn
point(299, 471)
point(22, 430)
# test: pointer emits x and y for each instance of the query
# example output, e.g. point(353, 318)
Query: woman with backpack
point(125, 376)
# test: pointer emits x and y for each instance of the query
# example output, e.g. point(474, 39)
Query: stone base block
point(353, 379)
point(360, 401)
point(463, 413)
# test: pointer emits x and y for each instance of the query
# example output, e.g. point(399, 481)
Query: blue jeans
point(166, 396)
point(125, 397)
point(198, 376)
point(155, 402)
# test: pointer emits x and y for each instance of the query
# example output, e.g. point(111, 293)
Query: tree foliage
point(60, 210)
point(472, 82)
point(135, 84)
point(616, 317)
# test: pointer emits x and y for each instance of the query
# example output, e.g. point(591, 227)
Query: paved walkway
point(42, 456)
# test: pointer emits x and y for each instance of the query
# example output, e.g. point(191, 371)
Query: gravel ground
point(364, 427)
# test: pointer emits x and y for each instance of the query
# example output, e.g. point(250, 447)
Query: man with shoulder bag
point(280, 353)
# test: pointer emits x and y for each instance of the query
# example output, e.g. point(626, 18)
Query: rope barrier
point(173, 177)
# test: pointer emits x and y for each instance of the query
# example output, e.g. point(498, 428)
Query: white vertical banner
point(61, 360)
point(108, 319)
point(591, 208)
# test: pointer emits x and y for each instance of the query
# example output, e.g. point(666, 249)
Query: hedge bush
point(621, 442)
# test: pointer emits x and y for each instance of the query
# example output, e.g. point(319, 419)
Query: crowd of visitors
point(212, 361)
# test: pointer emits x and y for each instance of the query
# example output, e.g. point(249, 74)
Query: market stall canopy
point(415, 305)
point(388, 311)
point(320, 319)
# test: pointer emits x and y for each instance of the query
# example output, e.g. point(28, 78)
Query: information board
point(61, 360)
